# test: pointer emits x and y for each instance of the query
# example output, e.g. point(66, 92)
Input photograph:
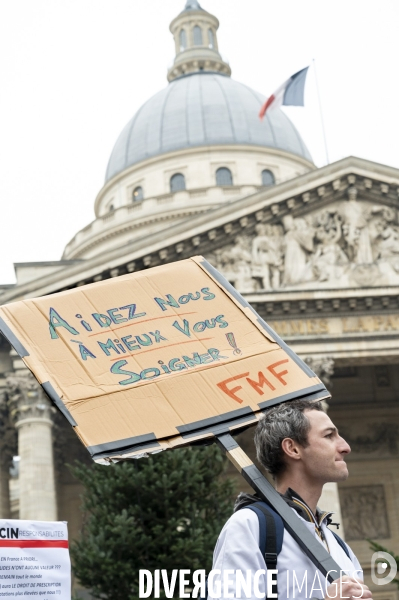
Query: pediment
point(350, 239)
point(334, 227)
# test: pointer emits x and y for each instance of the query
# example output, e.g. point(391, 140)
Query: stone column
point(5, 462)
point(5, 506)
point(32, 414)
point(7, 450)
point(323, 366)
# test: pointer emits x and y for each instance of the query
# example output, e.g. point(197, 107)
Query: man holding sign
point(159, 359)
point(298, 444)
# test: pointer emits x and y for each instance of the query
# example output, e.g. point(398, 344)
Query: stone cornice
point(297, 294)
point(133, 224)
point(192, 15)
point(325, 303)
point(134, 219)
point(206, 232)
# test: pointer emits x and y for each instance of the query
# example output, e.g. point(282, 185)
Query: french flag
point(291, 93)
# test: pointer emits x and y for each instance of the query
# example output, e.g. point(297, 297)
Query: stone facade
point(316, 254)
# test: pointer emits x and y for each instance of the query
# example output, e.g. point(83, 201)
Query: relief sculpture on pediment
point(346, 244)
point(236, 263)
point(267, 255)
point(298, 250)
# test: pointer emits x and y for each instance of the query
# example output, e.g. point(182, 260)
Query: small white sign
point(34, 560)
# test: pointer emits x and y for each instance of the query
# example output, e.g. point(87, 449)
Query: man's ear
point(290, 448)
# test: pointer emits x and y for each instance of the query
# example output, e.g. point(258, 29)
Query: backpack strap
point(271, 532)
point(341, 543)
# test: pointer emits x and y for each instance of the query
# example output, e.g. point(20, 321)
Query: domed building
point(195, 145)
point(314, 250)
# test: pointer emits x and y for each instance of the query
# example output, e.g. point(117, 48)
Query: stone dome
point(202, 109)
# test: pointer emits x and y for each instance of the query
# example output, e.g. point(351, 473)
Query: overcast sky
point(73, 72)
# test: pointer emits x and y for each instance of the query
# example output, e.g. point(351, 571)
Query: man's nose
point(343, 446)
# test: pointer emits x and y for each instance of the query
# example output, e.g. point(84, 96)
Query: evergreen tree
point(161, 512)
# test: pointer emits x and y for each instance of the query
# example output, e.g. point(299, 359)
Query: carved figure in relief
point(355, 230)
point(389, 244)
point(348, 243)
point(364, 512)
point(298, 242)
point(329, 258)
point(267, 255)
point(235, 262)
point(386, 235)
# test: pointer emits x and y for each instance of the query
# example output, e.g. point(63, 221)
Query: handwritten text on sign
point(96, 322)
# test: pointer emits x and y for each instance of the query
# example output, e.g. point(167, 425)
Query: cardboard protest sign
point(155, 359)
point(34, 559)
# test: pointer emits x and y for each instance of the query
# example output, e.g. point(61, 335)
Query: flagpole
point(321, 112)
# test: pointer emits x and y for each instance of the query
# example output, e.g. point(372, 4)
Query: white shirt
point(238, 549)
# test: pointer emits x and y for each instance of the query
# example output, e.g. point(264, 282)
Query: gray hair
point(286, 420)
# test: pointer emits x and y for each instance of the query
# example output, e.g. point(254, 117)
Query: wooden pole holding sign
point(309, 544)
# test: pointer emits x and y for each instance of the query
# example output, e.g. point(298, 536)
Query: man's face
point(324, 457)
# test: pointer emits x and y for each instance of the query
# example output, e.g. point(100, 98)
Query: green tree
point(378, 548)
point(161, 512)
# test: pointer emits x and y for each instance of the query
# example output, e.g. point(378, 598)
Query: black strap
point(271, 541)
point(269, 545)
